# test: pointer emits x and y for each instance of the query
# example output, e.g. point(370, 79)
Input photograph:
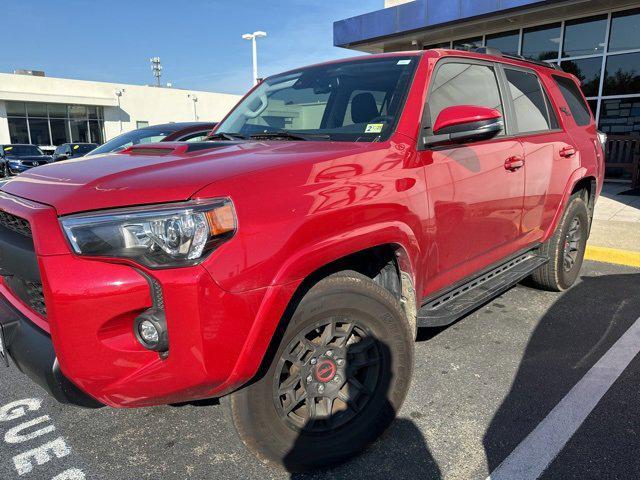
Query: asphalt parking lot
point(480, 388)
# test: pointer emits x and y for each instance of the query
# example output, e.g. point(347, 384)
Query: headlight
point(171, 235)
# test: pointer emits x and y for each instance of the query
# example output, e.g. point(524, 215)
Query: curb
point(612, 255)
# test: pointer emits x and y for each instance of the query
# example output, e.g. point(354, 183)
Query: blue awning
point(419, 15)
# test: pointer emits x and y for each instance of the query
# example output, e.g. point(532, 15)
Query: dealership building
point(51, 111)
point(597, 40)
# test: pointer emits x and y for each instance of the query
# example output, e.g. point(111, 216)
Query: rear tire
point(338, 377)
point(565, 248)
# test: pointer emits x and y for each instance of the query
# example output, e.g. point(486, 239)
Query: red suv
point(286, 264)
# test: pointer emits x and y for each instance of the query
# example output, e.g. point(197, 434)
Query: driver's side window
point(458, 83)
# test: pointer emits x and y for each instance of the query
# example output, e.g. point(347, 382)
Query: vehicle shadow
point(571, 337)
point(401, 452)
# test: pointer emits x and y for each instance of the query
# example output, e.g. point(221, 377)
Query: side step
point(453, 304)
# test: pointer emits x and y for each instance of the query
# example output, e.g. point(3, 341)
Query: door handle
point(567, 152)
point(514, 163)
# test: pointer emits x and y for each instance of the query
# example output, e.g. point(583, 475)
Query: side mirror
point(60, 156)
point(463, 123)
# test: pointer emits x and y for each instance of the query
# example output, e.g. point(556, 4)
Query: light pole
point(252, 37)
point(119, 94)
point(194, 98)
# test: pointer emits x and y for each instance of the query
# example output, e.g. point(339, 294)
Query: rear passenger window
point(575, 100)
point(463, 84)
point(531, 105)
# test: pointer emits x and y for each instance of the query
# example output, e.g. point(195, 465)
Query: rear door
point(536, 125)
point(475, 200)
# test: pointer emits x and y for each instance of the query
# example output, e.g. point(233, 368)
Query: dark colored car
point(287, 263)
point(169, 132)
point(18, 158)
point(72, 150)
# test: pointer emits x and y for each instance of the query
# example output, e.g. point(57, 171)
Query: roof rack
point(497, 53)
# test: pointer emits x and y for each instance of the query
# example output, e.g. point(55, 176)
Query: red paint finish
point(451, 211)
point(464, 114)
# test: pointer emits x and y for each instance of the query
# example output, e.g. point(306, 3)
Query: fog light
point(150, 329)
point(148, 332)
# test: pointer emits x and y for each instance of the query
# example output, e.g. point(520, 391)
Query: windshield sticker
point(374, 128)
point(403, 62)
point(8, 149)
point(75, 147)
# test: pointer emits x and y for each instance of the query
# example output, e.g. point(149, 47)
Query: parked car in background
point(72, 150)
point(18, 158)
point(169, 132)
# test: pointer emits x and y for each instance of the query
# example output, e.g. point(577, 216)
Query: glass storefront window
point(79, 131)
point(541, 43)
point(57, 111)
point(77, 111)
point(16, 109)
point(622, 74)
point(505, 42)
point(588, 72)
point(96, 132)
point(593, 105)
point(584, 36)
point(59, 132)
point(51, 124)
point(620, 116)
point(37, 109)
point(439, 45)
point(39, 128)
point(18, 130)
point(625, 31)
point(467, 43)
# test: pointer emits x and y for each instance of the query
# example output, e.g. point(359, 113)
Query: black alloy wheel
point(327, 376)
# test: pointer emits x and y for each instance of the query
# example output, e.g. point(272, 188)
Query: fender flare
point(290, 277)
point(575, 177)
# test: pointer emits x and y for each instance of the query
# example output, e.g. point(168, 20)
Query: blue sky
point(199, 41)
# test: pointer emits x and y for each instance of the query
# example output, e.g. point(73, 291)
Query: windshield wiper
point(284, 134)
point(226, 136)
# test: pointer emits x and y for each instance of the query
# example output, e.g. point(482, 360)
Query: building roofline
point(425, 15)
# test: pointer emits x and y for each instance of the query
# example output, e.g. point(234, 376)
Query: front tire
point(339, 375)
point(565, 249)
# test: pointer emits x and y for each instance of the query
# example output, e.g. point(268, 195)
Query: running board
point(453, 304)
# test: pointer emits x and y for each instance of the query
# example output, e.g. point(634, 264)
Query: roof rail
point(497, 53)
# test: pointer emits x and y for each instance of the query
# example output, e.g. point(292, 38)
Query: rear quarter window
point(575, 101)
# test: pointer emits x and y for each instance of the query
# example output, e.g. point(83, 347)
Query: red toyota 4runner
point(286, 263)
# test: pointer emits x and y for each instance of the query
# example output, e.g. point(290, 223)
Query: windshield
point(21, 150)
point(145, 135)
point(82, 148)
point(359, 100)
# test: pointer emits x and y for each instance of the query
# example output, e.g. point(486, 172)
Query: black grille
point(35, 297)
point(16, 224)
point(30, 292)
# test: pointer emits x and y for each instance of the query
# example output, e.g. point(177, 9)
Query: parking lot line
point(531, 457)
point(612, 255)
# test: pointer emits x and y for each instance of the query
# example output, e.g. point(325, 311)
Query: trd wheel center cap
point(325, 371)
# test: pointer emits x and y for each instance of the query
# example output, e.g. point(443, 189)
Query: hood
point(159, 173)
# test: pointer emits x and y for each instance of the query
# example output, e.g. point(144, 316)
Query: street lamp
point(252, 37)
point(119, 93)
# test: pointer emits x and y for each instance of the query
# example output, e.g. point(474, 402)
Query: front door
point(475, 190)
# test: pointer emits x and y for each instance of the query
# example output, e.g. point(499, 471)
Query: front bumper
point(31, 350)
point(217, 339)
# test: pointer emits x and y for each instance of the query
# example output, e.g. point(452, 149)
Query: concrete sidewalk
point(615, 234)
